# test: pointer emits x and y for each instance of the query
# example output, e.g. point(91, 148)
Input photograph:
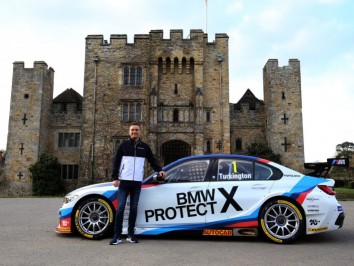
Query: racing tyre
point(281, 221)
point(94, 218)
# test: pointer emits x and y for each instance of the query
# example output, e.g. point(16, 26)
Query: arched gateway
point(174, 150)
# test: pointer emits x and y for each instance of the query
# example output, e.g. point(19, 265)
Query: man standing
point(128, 172)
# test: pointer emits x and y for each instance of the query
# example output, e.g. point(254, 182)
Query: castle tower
point(31, 100)
point(282, 98)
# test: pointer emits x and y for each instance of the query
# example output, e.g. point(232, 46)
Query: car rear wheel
point(281, 221)
point(93, 218)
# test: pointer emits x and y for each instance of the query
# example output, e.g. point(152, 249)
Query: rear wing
point(322, 169)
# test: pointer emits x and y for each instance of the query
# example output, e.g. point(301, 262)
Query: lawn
point(343, 193)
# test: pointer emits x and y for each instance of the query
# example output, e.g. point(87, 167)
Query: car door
point(236, 191)
point(178, 201)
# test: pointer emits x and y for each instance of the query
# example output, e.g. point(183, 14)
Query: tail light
point(326, 189)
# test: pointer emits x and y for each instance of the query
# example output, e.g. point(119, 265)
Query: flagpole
point(206, 16)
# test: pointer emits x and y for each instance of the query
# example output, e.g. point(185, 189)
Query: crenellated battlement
point(19, 66)
point(273, 64)
point(154, 35)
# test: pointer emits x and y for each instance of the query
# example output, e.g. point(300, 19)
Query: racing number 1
point(234, 164)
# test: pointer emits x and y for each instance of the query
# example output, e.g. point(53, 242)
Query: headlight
point(69, 198)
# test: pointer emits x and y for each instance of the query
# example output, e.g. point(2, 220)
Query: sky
point(319, 33)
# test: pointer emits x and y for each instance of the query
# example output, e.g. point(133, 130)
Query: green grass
point(343, 190)
point(345, 194)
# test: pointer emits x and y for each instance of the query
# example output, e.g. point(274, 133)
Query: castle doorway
point(174, 150)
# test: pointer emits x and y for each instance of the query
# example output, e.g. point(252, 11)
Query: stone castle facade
point(178, 89)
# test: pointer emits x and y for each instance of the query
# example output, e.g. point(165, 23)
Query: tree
point(263, 151)
point(346, 149)
point(46, 179)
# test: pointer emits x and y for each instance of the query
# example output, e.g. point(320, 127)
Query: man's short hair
point(135, 124)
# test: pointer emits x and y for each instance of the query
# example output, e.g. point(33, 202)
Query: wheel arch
point(298, 205)
point(291, 200)
point(77, 204)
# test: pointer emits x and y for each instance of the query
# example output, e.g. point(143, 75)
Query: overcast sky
point(320, 33)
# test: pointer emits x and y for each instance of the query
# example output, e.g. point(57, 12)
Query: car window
point(265, 172)
point(234, 170)
point(192, 171)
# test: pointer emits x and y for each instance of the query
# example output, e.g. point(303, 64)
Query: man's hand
point(115, 183)
point(163, 174)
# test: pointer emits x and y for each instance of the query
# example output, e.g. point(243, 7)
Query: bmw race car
point(213, 195)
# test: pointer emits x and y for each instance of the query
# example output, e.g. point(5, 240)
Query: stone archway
point(174, 150)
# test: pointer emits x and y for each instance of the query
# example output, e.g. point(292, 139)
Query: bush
point(46, 179)
point(263, 151)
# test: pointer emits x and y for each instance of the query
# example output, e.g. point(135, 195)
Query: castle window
point(192, 65)
point(168, 65)
point(184, 65)
point(238, 144)
point(283, 95)
point(116, 144)
point(176, 89)
point(175, 65)
point(68, 140)
point(139, 76)
point(132, 111)
point(133, 76)
point(160, 65)
point(175, 115)
point(69, 171)
point(126, 75)
point(208, 116)
point(208, 146)
point(63, 107)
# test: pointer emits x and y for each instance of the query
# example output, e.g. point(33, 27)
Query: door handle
point(258, 186)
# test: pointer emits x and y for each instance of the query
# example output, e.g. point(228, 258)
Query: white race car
point(213, 195)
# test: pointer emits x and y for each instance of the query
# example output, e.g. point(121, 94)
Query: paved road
point(27, 238)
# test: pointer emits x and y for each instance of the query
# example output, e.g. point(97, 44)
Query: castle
point(177, 88)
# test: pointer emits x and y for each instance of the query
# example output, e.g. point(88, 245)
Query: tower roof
point(68, 96)
point(248, 98)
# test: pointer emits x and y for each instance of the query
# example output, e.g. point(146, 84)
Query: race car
point(213, 195)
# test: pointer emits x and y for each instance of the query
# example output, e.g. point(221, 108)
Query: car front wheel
point(93, 218)
point(281, 221)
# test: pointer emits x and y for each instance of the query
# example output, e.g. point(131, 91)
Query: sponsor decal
point(320, 229)
point(287, 175)
point(191, 204)
point(240, 176)
point(314, 222)
point(65, 223)
point(312, 199)
point(217, 232)
point(313, 206)
point(342, 162)
point(313, 210)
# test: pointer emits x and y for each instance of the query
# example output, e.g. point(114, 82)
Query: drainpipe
point(220, 60)
point(95, 59)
